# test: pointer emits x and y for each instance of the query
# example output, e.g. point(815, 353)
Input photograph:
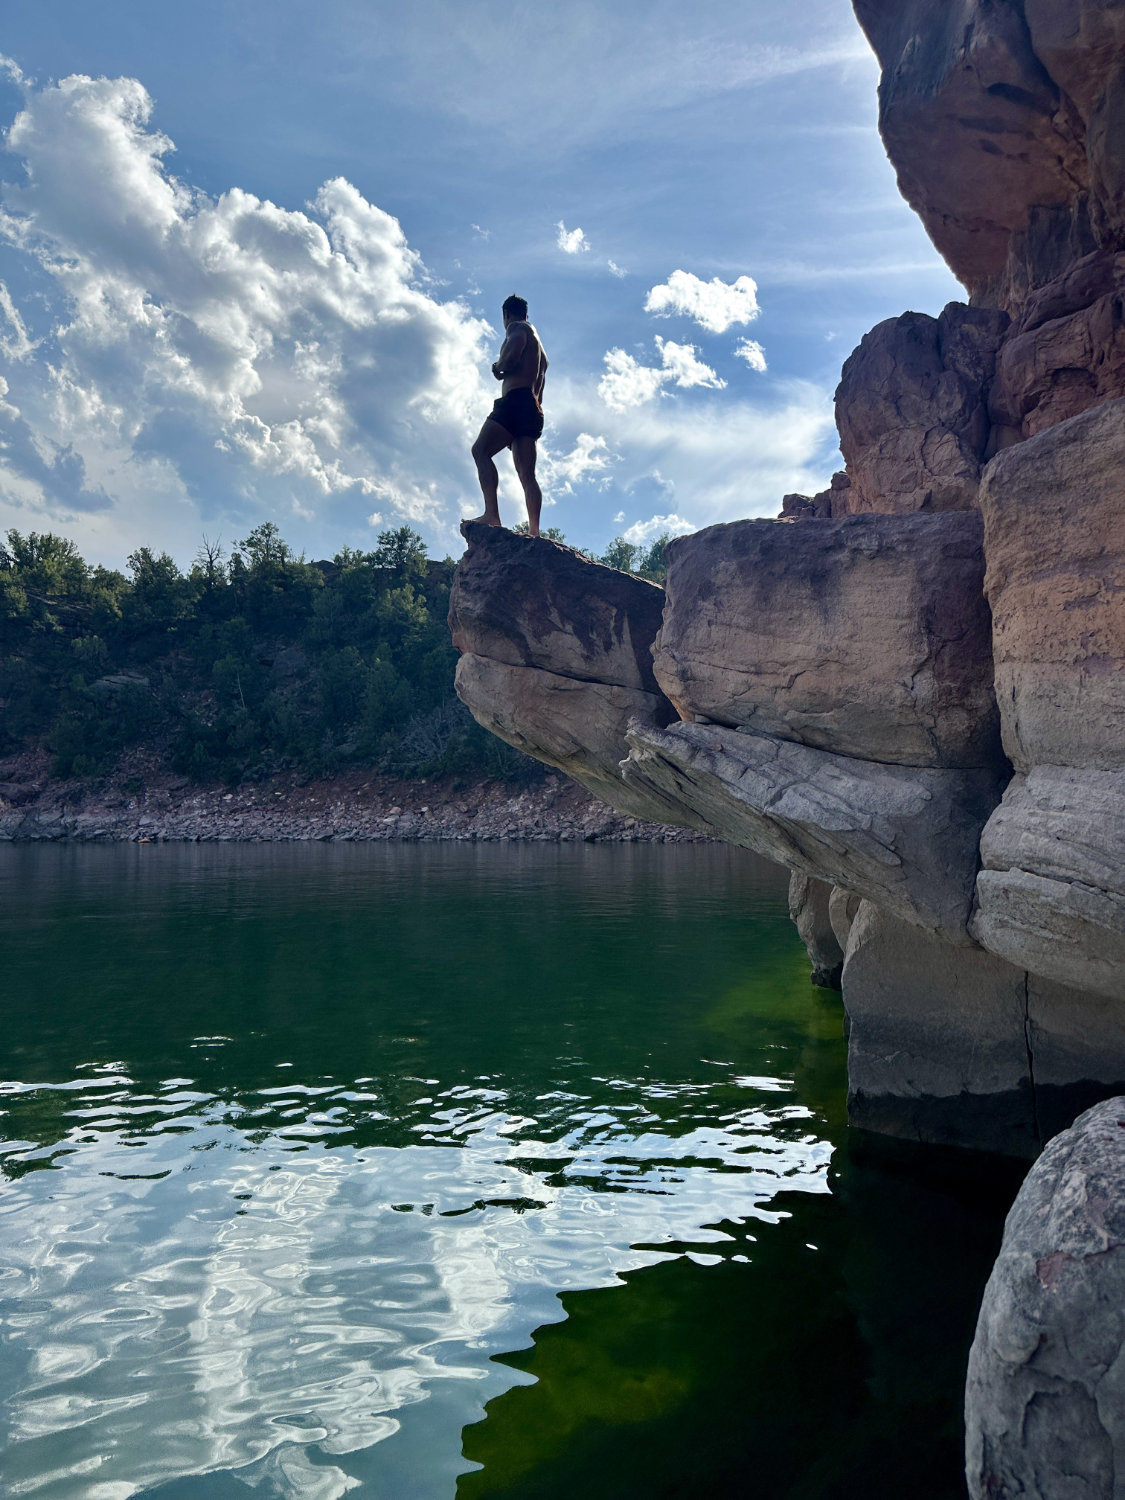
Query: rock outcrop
point(905, 838)
point(557, 655)
point(912, 409)
point(1045, 1399)
point(981, 136)
point(867, 636)
point(547, 606)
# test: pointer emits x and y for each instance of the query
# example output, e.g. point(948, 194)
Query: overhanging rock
point(578, 727)
point(903, 837)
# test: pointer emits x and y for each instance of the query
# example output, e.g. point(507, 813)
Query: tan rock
point(1051, 896)
point(903, 837)
point(1054, 516)
point(574, 725)
point(911, 408)
point(532, 602)
point(868, 636)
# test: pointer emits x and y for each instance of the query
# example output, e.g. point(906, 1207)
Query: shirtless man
point(517, 418)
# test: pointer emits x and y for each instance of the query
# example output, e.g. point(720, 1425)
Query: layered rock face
point(1052, 893)
point(1045, 1398)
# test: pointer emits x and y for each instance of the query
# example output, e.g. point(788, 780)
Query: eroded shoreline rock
point(1045, 1397)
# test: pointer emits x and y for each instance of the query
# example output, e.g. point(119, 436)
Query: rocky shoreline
point(141, 803)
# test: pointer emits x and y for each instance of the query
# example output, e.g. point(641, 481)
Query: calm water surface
point(437, 1171)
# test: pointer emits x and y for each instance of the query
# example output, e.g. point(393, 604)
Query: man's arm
point(511, 353)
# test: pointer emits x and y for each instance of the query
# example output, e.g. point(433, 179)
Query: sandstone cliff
point(909, 689)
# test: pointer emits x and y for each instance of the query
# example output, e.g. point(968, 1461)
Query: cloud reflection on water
point(256, 1279)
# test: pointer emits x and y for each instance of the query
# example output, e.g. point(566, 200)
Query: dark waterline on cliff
point(301, 1144)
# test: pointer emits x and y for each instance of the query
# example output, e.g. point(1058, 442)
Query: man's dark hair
point(515, 307)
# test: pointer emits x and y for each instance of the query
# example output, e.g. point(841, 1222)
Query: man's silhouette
point(517, 418)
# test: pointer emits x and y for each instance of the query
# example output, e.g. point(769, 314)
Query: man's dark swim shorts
point(519, 413)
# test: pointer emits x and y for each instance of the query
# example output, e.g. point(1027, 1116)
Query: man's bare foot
point(486, 520)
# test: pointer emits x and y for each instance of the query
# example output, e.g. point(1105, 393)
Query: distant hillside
point(247, 665)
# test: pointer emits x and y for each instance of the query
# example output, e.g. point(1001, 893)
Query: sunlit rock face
point(1045, 1397)
point(867, 636)
point(1052, 892)
point(1054, 516)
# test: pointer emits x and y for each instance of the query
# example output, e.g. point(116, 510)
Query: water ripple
point(179, 1258)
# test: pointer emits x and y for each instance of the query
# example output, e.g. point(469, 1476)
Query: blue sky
point(252, 256)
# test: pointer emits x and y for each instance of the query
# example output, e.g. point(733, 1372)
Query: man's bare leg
point(491, 440)
point(523, 454)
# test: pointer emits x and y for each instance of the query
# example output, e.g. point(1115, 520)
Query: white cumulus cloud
point(588, 461)
point(627, 382)
point(753, 353)
point(571, 241)
point(715, 305)
point(222, 353)
point(642, 532)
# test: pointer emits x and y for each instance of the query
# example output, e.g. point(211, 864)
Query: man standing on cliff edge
point(517, 418)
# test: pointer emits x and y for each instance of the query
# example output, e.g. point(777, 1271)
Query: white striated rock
point(905, 838)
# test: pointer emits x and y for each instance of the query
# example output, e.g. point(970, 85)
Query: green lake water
point(434, 1171)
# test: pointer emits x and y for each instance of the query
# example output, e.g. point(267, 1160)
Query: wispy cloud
point(753, 353)
point(588, 461)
